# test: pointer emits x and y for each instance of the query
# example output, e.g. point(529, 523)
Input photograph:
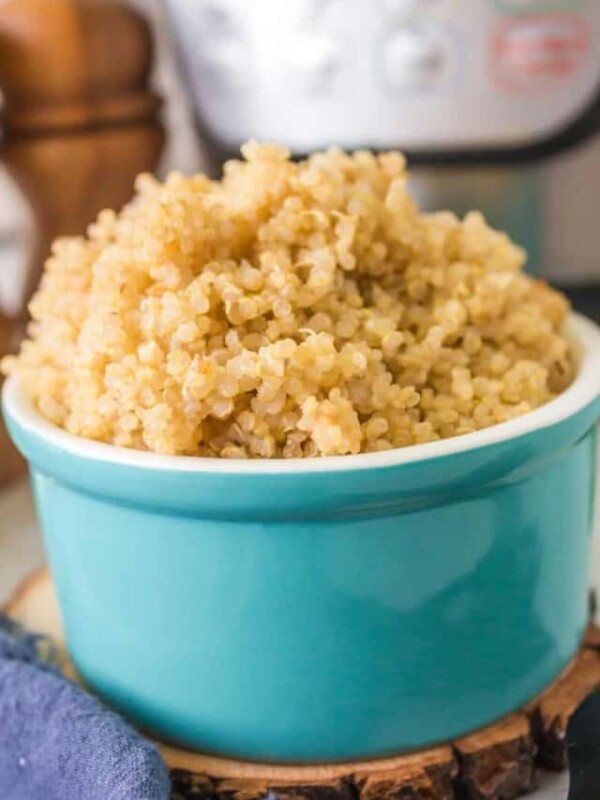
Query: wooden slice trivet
point(499, 762)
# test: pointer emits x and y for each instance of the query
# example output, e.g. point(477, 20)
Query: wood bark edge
point(499, 762)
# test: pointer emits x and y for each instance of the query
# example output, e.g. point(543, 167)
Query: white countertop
point(21, 552)
point(20, 544)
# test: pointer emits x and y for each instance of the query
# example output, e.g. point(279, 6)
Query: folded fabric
point(59, 743)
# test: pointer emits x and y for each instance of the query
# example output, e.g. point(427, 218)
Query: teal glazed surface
point(324, 615)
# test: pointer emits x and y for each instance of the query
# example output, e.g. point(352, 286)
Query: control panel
point(423, 75)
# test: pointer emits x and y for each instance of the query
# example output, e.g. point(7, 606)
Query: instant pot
point(496, 102)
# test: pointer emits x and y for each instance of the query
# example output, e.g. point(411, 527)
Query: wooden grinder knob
point(79, 120)
point(72, 64)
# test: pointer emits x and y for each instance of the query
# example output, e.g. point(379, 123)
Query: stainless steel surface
point(435, 75)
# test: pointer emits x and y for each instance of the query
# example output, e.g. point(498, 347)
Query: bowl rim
point(582, 332)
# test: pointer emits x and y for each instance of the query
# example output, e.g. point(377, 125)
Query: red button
point(535, 50)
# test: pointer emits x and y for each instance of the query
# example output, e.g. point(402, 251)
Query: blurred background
point(496, 103)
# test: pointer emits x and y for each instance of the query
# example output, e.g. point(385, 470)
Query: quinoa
point(288, 310)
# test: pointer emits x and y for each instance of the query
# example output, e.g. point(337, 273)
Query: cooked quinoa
point(291, 309)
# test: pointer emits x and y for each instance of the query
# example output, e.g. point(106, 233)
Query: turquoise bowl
point(324, 609)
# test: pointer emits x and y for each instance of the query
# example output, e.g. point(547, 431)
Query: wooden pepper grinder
point(79, 120)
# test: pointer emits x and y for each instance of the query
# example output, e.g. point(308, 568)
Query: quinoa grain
point(289, 310)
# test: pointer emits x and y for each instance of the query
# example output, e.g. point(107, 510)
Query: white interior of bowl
point(583, 334)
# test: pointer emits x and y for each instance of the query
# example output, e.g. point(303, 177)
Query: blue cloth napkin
point(59, 743)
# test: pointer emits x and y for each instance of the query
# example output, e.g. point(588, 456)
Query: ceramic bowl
point(324, 609)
